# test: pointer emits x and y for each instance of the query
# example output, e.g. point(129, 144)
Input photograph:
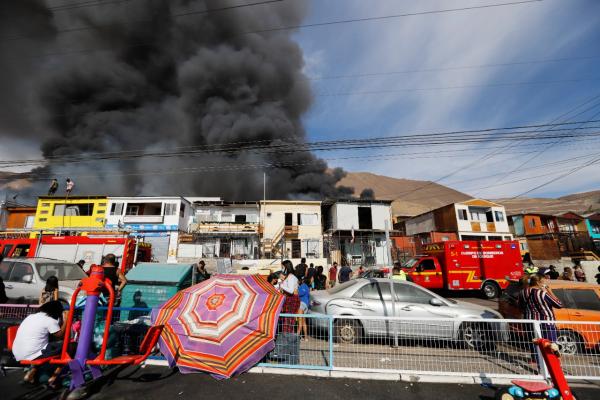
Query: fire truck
point(75, 248)
point(487, 266)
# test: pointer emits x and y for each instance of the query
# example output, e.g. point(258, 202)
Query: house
point(291, 229)
point(222, 229)
point(15, 217)
point(572, 233)
point(357, 231)
point(529, 224)
point(474, 219)
point(72, 213)
point(592, 222)
point(158, 220)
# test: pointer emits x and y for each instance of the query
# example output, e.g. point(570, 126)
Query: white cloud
point(494, 35)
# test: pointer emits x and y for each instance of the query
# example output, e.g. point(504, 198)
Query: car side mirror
point(27, 278)
point(436, 302)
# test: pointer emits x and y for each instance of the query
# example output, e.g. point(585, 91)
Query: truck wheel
point(504, 395)
point(347, 331)
point(490, 290)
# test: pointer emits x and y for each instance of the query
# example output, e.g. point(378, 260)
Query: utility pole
point(392, 289)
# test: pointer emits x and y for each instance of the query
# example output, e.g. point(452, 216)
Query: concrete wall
point(420, 224)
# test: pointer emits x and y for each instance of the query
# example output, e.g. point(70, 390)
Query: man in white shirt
point(32, 340)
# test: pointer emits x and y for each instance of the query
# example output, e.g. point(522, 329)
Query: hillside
point(410, 197)
point(580, 203)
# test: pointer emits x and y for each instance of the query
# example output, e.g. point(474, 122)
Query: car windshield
point(410, 263)
point(340, 287)
point(63, 271)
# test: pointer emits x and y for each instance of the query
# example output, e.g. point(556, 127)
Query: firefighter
point(531, 270)
point(398, 274)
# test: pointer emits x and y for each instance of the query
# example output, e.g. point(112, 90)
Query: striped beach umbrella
point(222, 326)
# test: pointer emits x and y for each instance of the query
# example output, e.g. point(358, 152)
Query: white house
point(221, 229)
point(356, 231)
point(158, 220)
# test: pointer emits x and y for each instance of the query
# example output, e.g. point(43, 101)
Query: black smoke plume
point(166, 74)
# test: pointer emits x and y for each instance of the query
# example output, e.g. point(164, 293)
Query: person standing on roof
point(53, 187)
point(70, 186)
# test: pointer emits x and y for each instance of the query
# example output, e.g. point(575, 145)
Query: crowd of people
point(40, 335)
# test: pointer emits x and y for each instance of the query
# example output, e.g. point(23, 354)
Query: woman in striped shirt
point(538, 304)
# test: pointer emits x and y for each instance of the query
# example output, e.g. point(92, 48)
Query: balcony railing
point(291, 230)
point(224, 227)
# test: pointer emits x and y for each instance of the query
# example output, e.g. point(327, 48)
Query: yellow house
point(73, 212)
point(291, 226)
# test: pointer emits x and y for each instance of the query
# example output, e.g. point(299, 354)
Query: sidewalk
point(158, 383)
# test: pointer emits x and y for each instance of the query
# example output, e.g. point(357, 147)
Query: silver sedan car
point(366, 299)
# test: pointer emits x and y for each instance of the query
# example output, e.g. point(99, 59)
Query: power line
point(456, 137)
point(503, 84)
point(274, 29)
point(572, 171)
point(177, 15)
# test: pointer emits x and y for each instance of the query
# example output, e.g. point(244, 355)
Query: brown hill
point(580, 203)
point(410, 197)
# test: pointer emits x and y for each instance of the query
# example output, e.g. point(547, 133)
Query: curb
point(387, 376)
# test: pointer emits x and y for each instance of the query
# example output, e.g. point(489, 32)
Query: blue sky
point(550, 29)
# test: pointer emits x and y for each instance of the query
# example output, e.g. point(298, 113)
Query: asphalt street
point(159, 383)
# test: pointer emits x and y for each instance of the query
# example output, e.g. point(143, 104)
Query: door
point(288, 219)
point(370, 301)
point(22, 283)
point(296, 248)
point(428, 274)
point(585, 307)
point(414, 302)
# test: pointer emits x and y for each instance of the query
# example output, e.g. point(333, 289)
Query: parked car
point(24, 278)
point(375, 273)
point(581, 302)
point(372, 298)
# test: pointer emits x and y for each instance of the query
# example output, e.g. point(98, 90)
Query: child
point(304, 295)
point(50, 291)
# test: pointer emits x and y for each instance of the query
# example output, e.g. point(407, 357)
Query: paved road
point(158, 383)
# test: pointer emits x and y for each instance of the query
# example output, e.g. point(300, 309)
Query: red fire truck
point(22, 247)
point(75, 248)
point(467, 265)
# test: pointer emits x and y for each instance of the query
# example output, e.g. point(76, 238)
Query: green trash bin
point(151, 284)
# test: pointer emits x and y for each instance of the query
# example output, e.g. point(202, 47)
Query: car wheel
point(568, 342)
point(490, 290)
point(477, 336)
point(347, 331)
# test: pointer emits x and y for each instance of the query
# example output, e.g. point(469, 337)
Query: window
point(312, 248)
point(365, 219)
point(5, 268)
point(29, 221)
point(132, 210)
point(411, 294)
point(566, 301)
point(61, 271)
point(170, 208)
point(241, 219)
point(532, 223)
point(489, 216)
point(309, 219)
point(21, 250)
point(21, 272)
point(375, 291)
point(478, 214)
point(116, 209)
point(462, 215)
point(585, 299)
point(426, 265)
point(499, 216)
point(73, 210)
point(182, 211)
